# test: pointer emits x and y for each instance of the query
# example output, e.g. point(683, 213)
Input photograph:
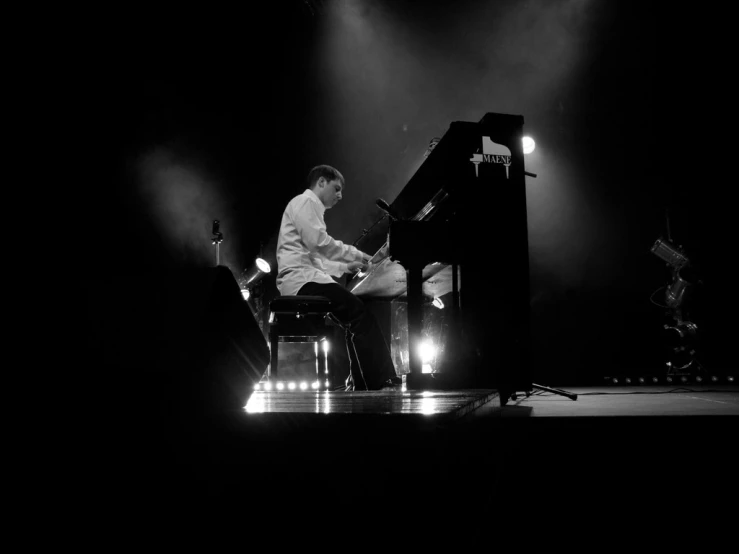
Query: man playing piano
point(308, 257)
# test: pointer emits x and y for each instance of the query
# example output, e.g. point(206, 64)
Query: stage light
point(698, 379)
point(438, 303)
point(730, 378)
point(641, 380)
point(245, 293)
point(254, 273)
point(294, 386)
point(669, 379)
point(627, 380)
point(528, 145)
point(714, 378)
point(655, 380)
point(666, 251)
point(325, 346)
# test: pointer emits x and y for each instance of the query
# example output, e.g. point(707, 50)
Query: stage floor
point(609, 401)
point(614, 456)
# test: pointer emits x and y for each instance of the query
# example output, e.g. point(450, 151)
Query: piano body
point(461, 232)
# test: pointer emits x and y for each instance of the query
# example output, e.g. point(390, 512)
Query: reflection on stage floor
point(430, 403)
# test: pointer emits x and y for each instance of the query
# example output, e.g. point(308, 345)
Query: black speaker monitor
point(172, 340)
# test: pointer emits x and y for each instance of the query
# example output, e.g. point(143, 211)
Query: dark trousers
point(373, 363)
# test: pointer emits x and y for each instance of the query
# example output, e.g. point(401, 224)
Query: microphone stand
point(365, 231)
point(217, 239)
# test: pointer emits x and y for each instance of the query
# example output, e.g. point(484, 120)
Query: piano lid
point(456, 174)
point(438, 187)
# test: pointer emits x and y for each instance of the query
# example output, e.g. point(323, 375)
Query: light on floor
point(427, 351)
point(293, 386)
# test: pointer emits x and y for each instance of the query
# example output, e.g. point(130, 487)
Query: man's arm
point(313, 233)
point(338, 269)
point(332, 267)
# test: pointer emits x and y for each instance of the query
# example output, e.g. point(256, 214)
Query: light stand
point(534, 386)
point(365, 231)
point(682, 334)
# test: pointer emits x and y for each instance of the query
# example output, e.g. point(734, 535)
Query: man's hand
point(353, 267)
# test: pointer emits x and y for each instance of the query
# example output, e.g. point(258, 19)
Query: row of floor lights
point(290, 385)
point(651, 380)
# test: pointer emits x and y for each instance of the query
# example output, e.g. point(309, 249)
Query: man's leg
point(373, 354)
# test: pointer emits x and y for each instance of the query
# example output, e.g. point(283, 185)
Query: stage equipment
point(679, 264)
point(251, 283)
point(675, 257)
point(681, 340)
point(385, 207)
point(681, 335)
point(382, 205)
point(253, 274)
point(177, 342)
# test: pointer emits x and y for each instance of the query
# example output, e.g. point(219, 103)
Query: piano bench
point(301, 319)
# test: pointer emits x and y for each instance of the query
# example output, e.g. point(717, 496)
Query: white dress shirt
point(305, 251)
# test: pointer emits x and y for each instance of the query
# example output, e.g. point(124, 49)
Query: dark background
point(165, 120)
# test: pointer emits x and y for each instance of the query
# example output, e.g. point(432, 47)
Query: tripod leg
point(569, 395)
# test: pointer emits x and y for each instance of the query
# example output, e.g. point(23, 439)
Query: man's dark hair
point(327, 172)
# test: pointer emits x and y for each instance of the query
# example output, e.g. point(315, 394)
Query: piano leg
point(416, 379)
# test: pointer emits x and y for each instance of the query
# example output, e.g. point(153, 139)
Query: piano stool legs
point(301, 319)
point(323, 377)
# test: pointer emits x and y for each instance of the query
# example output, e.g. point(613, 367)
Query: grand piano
point(459, 229)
